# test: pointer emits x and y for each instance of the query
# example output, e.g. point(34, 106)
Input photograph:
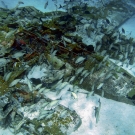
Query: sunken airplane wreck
point(56, 42)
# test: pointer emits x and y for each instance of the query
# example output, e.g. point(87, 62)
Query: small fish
point(108, 76)
point(84, 72)
point(74, 95)
point(102, 74)
point(3, 61)
point(103, 52)
point(79, 70)
point(80, 60)
point(93, 86)
point(99, 65)
point(38, 86)
point(110, 47)
point(64, 7)
point(64, 43)
point(44, 104)
point(102, 94)
point(49, 116)
point(126, 55)
point(81, 81)
point(56, 85)
point(107, 20)
point(123, 31)
point(120, 48)
point(18, 126)
point(60, 87)
point(4, 5)
point(97, 110)
point(29, 84)
point(131, 49)
point(90, 94)
point(72, 79)
point(7, 76)
point(100, 85)
point(92, 70)
point(17, 55)
point(53, 103)
point(46, 90)
point(121, 57)
point(105, 58)
point(41, 90)
point(54, 53)
point(20, 2)
point(98, 48)
point(43, 114)
point(14, 82)
point(46, 4)
point(63, 114)
point(10, 33)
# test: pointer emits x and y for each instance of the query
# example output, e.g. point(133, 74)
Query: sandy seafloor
point(115, 118)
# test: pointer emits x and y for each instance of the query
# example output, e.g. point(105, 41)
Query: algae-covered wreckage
point(56, 42)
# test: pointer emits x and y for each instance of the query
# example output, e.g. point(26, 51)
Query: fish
point(84, 72)
point(46, 90)
point(123, 31)
point(97, 110)
point(29, 84)
point(54, 53)
point(41, 90)
point(102, 74)
point(44, 104)
point(90, 94)
point(103, 52)
point(63, 114)
point(57, 84)
point(38, 86)
point(17, 55)
point(13, 83)
point(105, 58)
point(4, 5)
point(72, 79)
point(7, 76)
point(100, 85)
point(92, 88)
point(98, 48)
point(3, 61)
point(10, 33)
point(43, 114)
point(131, 49)
point(53, 103)
point(91, 71)
point(46, 4)
point(110, 47)
point(60, 87)
point(108, 21)
point(126, 55)
point(79, 70)
point(108, 76)
point(18, 126)
point(99, 65)
point(20, 2)
point(121, 57)
point(102, 94)
point(49, 116)
point(81, 81)
point(74, 95)
point(80, 60)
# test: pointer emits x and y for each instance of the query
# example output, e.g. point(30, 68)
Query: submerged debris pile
point(54, 45)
